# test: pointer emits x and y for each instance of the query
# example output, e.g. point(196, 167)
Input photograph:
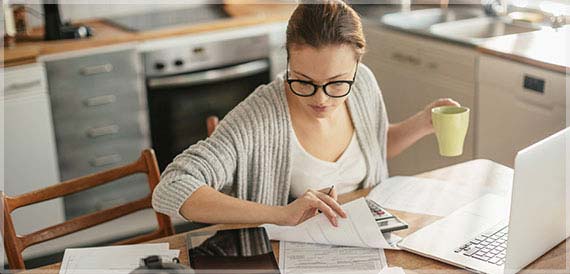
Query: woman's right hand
point(308, 205)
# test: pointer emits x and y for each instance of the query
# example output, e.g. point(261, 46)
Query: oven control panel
point(202, 56)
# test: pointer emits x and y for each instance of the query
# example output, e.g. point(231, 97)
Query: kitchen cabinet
point(278, 51)
point(29, 160)
point(518, 105)
point(100, 121)
point(412, 72)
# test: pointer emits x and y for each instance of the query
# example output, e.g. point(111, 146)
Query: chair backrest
point(211, 124)
point(14, 244)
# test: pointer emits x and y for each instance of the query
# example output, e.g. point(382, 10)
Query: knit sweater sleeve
point(378, 108)
point(211, 162)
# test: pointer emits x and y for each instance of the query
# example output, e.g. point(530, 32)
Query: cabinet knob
point(179, 62)
point(159, 66)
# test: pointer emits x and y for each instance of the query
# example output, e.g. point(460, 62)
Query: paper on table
point(359, 229)
point(111, 259)
point(301, 258)
point(428, 196)
point(392, 270)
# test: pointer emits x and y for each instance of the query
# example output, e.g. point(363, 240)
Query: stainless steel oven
point(187, 84)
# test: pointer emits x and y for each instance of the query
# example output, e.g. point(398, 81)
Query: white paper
point(428, 196)
point(358, 229)
point(111, 259)
point(392, 270)
point(303, 258)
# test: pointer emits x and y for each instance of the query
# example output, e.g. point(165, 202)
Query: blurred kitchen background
point(87, 85)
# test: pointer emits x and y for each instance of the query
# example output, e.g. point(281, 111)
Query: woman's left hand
point(426, 113)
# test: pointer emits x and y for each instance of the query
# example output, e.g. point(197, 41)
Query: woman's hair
point(324, 23)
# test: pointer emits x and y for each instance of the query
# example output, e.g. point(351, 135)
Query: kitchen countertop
point(241, 15)
point(545, 48)
point(548, 49)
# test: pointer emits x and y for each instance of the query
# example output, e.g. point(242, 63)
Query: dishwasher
point(518, 105)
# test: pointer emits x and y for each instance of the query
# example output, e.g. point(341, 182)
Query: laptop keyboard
point(490, 247)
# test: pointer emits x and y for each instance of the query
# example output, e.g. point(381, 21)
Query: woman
point(320, 124)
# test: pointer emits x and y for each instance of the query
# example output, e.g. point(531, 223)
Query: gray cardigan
point(248, 155)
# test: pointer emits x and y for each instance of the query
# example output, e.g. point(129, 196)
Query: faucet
point(557, 21)
point(494, 7)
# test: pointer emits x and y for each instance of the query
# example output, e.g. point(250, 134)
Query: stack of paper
point(359, 229)
point(303, 258)
point(315, 246)
point(430, 196)
point(112, 259)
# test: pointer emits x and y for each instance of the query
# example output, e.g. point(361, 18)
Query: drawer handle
point(102, 131)
point(105, 160)
point(93, 70)
point(18, 86)
point(398, 57)
point(100, 100)
point(414, 61)
point(433, 65)
point(405, 58)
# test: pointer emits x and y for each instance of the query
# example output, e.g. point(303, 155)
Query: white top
point(309, 172)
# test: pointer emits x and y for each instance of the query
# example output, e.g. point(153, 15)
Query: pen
point(328, 194)
point(330, 190)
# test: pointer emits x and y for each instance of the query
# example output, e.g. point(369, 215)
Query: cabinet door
point(412, 73)
point(28, 152)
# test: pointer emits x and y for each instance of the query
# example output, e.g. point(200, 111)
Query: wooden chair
point(14, 244)
point(211, 124)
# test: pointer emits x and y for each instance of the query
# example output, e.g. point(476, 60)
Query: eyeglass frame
point(316, 87)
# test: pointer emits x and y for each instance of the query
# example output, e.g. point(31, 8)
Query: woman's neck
point(301, 118)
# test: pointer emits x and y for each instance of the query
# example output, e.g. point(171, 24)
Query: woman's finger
point(332, 203)
point(325, 209)
point(331, 191)
point(334, 194)
point(446, 102)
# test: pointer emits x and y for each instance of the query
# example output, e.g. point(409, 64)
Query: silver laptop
point(496, 234)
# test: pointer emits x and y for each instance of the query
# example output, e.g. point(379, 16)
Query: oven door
point(180, 104)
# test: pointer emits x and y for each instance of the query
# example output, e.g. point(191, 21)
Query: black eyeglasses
point(335, 89)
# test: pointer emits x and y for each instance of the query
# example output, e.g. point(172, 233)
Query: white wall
point(87, 9)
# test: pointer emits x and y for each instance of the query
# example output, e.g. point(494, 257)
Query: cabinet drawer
point(91, 159)
point(73, 134)
point(393, 50)
point(24, 79)
point(103, 73)
point(81, 106)
point(448, 61)
point(105, 196)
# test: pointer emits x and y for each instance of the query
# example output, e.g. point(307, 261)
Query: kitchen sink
point(423, 19)
point(475, 29)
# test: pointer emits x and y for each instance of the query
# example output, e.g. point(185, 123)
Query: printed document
point(392, 270)
point(303, 258)
point(121, 259)
point(428, 196)
point(359, 229)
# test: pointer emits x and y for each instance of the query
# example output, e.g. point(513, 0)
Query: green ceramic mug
point(450, 124)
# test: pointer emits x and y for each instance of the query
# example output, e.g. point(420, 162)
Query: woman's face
point(320, 66)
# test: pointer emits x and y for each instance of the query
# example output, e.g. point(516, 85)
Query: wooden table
point(482, 172)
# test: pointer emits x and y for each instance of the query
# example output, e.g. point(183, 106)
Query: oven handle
point(210, 76)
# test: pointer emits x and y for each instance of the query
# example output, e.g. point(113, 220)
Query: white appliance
point(537, 222)
point(517, 105)
point(28, 159)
